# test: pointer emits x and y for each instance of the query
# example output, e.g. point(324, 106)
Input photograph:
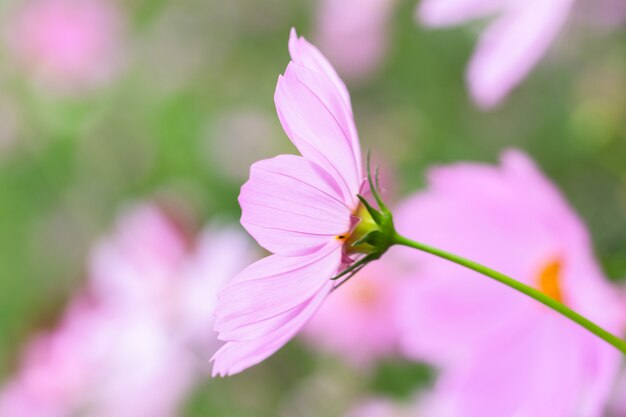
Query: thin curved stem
point(523, 288)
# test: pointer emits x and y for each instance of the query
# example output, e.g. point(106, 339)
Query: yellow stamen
point(365, 225)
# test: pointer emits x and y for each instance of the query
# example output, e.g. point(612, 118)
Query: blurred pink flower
point(512, 44)
point(300, 208)
point(354, 34)
point(132, 344)
point(357, 322)
point(503, 354)
point(66, 44)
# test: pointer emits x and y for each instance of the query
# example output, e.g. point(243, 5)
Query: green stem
point(523, 288)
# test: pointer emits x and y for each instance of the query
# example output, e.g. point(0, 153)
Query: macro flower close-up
point(303, 209)
point(192, 224)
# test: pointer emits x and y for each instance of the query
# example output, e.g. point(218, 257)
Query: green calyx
point(373, 235)
point(374, 232)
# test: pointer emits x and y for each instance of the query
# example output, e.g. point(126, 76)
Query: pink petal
point(552, 369)
point(335, 92)
point(291, 206)
point(452, 313)
point(602, 366)
point(242, 332)
point(234, 357)
point(542, 197)
point(274, 285)
point(537, 372)
point(315, 130)
point(314, 108)
point(277, 304)
point(307, 55)
point(327, 93)
point(512, 46)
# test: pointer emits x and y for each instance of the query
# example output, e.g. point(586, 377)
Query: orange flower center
point(365, 225)
point(549, 280)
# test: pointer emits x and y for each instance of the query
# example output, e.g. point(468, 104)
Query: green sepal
point(376, 216)
point(374, 238)
point(373, 188)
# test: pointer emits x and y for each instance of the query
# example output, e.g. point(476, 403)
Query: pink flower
point(358, 322)
point(300, 208)
point(511, 45)
point(131, 344)
point(66, 43)
point(354, 34)
point(503, 354)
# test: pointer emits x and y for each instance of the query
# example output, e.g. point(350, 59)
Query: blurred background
point(105, 104)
